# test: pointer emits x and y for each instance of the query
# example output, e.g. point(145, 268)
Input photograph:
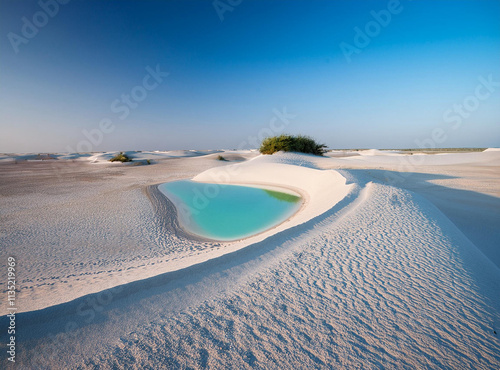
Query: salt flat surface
point(382, 276)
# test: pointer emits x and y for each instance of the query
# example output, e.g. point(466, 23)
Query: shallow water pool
point(228, 212)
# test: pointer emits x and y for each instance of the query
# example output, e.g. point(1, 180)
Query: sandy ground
point(402, 270)
point(78, 225)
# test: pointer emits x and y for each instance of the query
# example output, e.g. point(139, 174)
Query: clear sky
point(354, 74)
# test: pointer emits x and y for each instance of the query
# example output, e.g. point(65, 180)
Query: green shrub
point(121, 158)
point(221, 158)
point(289, 143)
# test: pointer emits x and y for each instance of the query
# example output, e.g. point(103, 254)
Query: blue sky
point(227, 77)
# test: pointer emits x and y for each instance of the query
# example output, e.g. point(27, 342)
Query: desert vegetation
point(122, 157)
point(289, 143)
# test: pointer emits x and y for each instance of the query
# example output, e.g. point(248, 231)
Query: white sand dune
point(373, 272)
point(402, 161)
point(104, 157)
point(19, 157)
point(321, 190)
point(371, 152)
point(153, 156)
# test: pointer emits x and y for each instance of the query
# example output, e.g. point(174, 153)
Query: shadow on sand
point(476, 215)
point(61, 325)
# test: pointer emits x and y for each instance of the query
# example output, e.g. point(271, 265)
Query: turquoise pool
point(228, 212)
